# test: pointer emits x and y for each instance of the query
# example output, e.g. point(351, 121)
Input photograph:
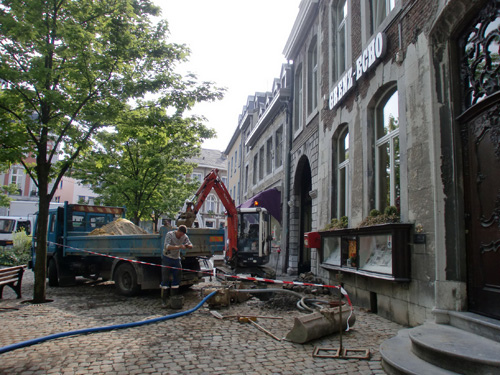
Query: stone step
point(470, 322)
point(398, 358)
point(454, 349)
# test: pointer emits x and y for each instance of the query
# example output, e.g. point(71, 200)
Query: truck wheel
point(52, 273)
point(126, 280)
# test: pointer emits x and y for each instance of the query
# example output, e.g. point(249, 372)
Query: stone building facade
point(303, 49)
point(261, 143)
point(394, 109)
point(211, 214)
point(389, 132)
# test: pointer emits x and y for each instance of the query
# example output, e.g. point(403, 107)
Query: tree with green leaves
point(5, 190)
point(140, 162)
point(67, 69)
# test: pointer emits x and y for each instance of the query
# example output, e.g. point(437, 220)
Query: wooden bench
point(12, 276)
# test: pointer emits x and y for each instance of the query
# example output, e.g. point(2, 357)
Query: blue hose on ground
point(23, 344)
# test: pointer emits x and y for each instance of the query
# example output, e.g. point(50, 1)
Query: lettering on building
point(372, 54)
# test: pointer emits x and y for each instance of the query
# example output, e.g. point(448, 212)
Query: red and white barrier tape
point(249, 278)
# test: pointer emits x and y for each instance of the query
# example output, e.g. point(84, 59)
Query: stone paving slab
point(197, 343)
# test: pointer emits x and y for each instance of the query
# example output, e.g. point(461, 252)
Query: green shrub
point(341, 223)
point(390, 215)
point(19, 253)
point(391, 211)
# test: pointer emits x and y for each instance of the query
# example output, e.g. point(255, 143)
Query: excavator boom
point(213, 181)
point(248, 228)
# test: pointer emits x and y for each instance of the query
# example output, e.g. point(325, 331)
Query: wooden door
point(481, 160)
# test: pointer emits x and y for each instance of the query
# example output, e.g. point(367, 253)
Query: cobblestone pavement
point(197, 343)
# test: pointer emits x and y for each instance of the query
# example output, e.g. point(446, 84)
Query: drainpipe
point(288, 145)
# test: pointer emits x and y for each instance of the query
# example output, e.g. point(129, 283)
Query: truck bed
point(206, 242)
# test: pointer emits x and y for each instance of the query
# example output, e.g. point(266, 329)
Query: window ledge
point(356, 271)
point(298, 132)
point(387, 22)
point(312, 115)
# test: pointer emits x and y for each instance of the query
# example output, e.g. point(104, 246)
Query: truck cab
point(71, 220)
point(10, 225)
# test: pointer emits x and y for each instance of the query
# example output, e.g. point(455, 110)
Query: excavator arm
point(213, 181)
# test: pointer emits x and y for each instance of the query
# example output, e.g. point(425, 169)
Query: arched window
point(343, 180)
point(211, 204)
point(480, 63)
point(387, 153)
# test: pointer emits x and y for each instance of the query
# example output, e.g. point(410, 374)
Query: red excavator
point(248, 244)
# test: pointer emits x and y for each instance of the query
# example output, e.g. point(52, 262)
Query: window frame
point(261, 163)
point(211, 204)
point(255, 168)
point(269, 156)
point(343, 166)
point(339, 51)
point(312, 76)
point(278, 136)
point(373, 26)
point(381, 141)
point(298, 123)
point(17, 173)
point(246, 178)
point(197, 176)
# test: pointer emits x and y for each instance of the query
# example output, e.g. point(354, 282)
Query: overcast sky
point(236, 44)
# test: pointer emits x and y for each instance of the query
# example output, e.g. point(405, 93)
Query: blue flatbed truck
point(70, 250)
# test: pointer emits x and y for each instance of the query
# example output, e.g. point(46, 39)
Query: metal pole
point(340, 327)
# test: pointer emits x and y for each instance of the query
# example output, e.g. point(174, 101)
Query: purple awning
point(269, 199)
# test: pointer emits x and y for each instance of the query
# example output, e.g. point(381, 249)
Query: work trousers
point(170, 278)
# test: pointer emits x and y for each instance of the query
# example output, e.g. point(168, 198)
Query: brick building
point(69, 190)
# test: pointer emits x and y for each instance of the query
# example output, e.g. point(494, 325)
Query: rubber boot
point(176, 300)
point(165, 297)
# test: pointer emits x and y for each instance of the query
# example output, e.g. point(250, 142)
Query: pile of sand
point(118, 227)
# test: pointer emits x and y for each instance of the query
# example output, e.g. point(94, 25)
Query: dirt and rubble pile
point(118, 227)
point(281, 302)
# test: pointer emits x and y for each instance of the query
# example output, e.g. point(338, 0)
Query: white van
point(12, 224)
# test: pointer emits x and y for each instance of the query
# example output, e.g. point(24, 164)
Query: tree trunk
point(155, 222)
point(136, 220)
point(39, 292)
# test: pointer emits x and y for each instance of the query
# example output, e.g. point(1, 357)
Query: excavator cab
point(254, 241)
